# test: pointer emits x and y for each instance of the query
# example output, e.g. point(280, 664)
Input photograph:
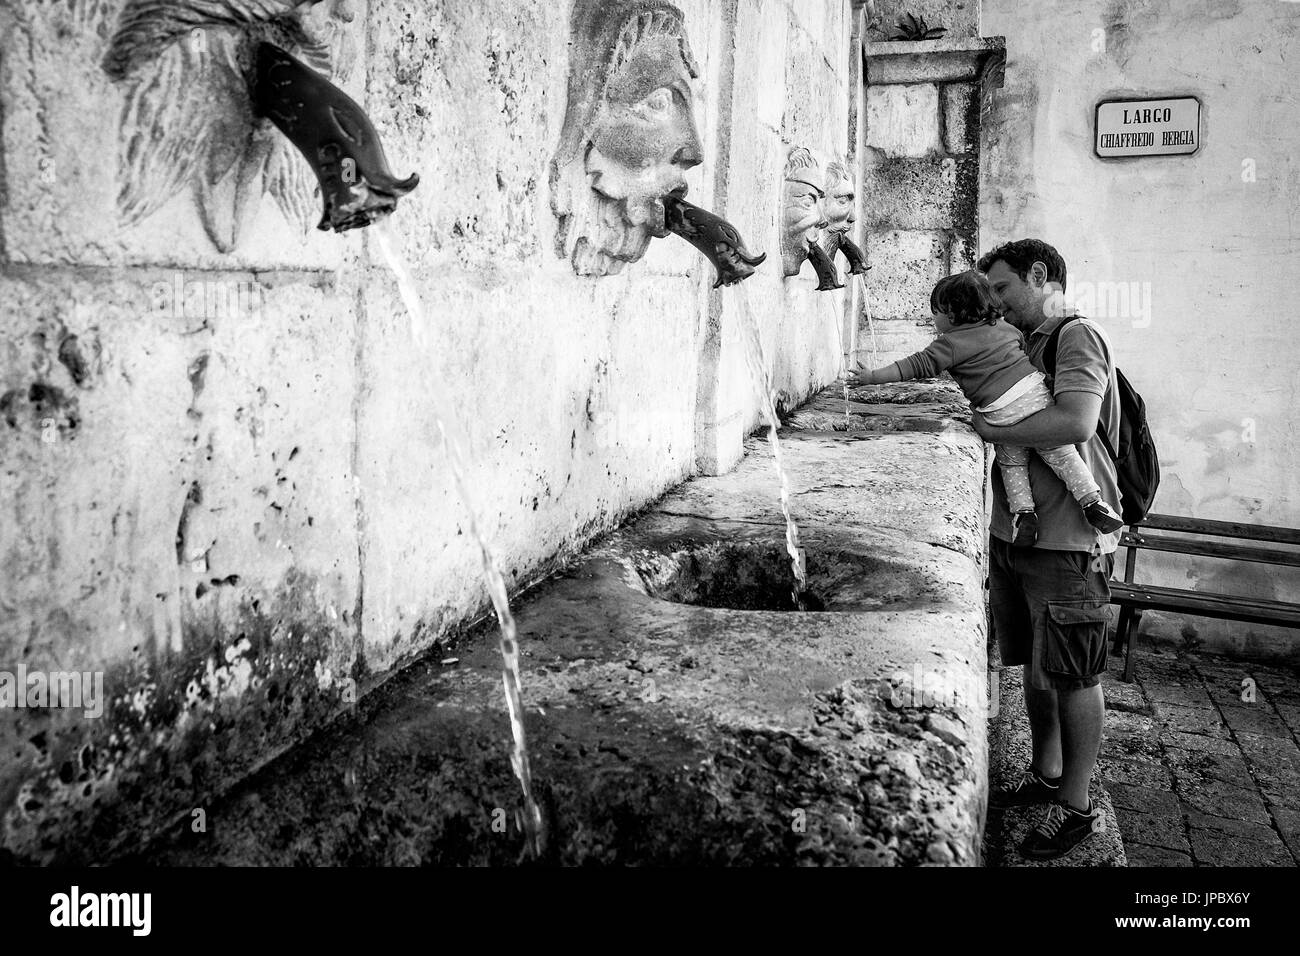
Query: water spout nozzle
point(713, 236)
point(857, 259)
point(827, 276)
point(334, 134)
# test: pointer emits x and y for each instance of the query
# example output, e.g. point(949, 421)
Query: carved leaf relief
point(187, 119)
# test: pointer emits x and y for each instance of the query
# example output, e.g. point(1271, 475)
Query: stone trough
point(677, 711)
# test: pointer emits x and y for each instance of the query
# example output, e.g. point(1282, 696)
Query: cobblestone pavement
point(1201, 760)
point(1200, 765)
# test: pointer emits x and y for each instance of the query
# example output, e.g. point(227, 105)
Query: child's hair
point(965, 298)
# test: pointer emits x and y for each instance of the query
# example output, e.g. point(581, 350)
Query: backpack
point(1137, 466)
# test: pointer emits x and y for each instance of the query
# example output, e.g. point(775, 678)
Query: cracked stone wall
point(219, 484)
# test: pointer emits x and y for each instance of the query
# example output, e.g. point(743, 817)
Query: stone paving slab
point(1163, 830)
point(1228, 767)
point(1217, 798)
point(1288, 825)
point(1198, 743)
point(1234, 794)
point(1191, 719)
point(1255, 719)
point(1143, 855)
point(1194, 774)
point(1181, 695)
point(1136, 773)
point(1210, 849)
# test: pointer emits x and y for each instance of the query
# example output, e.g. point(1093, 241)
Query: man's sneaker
point(1103, 517)
point(1027, 791)
point(1061, 832)
point(1024, 528)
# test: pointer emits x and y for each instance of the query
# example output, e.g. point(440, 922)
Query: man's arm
point(1072, 420)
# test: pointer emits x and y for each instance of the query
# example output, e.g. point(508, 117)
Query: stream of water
point(871, 325)
point(753, 349)
point(454, 444)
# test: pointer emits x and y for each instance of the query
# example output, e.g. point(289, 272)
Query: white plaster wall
point(1217, 355)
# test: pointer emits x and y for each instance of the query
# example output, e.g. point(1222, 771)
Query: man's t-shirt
point(1084, 363)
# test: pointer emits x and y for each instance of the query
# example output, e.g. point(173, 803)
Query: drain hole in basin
point(756, 576)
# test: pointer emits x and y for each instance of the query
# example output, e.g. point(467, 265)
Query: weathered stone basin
point(756, 576)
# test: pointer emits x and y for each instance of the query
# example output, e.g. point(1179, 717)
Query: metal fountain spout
point(713, 236)
point(334, 134)
point(857, 259)
point(828, 276)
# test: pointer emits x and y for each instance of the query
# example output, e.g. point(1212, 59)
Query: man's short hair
point(1020, 257)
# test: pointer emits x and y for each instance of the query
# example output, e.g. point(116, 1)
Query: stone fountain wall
point(219, 484)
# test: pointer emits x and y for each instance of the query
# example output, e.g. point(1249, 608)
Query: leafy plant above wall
point(913, 28)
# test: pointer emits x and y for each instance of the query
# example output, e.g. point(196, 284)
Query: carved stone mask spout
point(188, 74)
point(840, 215)
point(336, 137)
point(713, 236)
point(803, 218)
point(629, 132)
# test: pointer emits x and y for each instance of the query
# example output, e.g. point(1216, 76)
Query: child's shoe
point(1024, 528)
point(1102, 517)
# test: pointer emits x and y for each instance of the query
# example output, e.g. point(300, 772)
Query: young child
point(986, 358)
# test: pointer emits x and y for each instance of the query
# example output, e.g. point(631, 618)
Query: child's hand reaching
point(860, 376)
point(872, 376)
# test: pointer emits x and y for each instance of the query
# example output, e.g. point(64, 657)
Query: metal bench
point(1170, 533)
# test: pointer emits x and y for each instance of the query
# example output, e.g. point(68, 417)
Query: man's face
point(1019, 300)
point(644, 138)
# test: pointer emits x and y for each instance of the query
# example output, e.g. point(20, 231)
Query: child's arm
point(927, 363)
point(877, 376)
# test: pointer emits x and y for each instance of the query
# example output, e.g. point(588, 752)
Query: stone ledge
point(930, 61)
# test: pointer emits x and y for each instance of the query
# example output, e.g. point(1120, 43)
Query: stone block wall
point(920, 179)
point(221, 486)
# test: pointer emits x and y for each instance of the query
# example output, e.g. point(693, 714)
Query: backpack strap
point(1049, 364)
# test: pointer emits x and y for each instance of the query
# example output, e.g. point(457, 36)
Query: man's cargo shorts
point(1047, 609)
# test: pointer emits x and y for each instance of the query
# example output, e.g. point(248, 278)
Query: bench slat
point(1206, 604)
point(1151, 541)
point(1222, 529)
